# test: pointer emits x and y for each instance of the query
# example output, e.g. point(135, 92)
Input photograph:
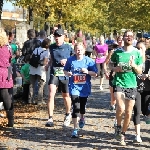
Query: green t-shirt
point(25, 72)
point(127, 78)
point(14, 50)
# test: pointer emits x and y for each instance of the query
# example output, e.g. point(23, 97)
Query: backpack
point(35, 59)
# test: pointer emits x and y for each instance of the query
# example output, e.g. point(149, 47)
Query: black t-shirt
point(58, 53)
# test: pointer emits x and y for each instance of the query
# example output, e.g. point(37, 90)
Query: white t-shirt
point(40, 70)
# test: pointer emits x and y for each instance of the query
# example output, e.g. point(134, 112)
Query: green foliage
point(93, 15)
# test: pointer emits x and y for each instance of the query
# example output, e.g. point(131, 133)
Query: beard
point(127, 43)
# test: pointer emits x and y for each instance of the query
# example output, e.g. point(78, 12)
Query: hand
point(84, 70)
point(132, 62)
point(144, 76)
point(69, 74)
point(46, 67)
point(117, 69)
point(63, 62)
point(107, 75)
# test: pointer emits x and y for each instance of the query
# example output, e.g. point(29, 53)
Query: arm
point(67, 69)
point(137, 68)
point(91, 70)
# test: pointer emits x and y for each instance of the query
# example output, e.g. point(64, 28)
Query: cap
point(59, 32)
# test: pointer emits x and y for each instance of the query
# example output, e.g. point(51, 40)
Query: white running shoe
point(49, 123)
point(67, 120)
point(138, 139)
point(101, 88)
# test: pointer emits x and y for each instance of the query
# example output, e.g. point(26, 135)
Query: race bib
point(125, 67)
point(80, 79)
point(58, 71)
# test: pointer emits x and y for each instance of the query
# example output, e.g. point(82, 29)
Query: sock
point(50, 117)
point(123, 133)
point(118, 126)
point(67, 114)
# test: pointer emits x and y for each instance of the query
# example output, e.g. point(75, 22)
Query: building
point(6, 15)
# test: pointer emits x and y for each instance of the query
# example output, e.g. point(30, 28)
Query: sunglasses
point(57, 35)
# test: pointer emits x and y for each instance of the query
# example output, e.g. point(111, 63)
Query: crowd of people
point(67, 64)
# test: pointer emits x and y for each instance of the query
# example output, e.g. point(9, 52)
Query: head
point(120, 40)
point(88, 38)
point(128, 37)
point(31, 33)
point(142, 48)
point(45, 43)
point(59, 36)
point(42, 34)
point(79, 49)
point(36, 33)
point(3, 37)
point(101, 39)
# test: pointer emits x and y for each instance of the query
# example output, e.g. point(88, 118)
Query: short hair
point(79, 43)
point(45, 43)
point(31, 33)
point(128, 30)
point(42, 33)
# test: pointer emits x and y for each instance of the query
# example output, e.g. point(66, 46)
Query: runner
point(79, 68)
point(111, 74)
point(59, 53)
point(101, 51)
point(129, 64)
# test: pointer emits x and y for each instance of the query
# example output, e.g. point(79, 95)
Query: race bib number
point(58, 71)
point(80, 79)
point(125, 67)
point(100, 55)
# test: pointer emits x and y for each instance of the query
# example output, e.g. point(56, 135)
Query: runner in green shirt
point(127, 64)
point(15, 53)
point(26, 80)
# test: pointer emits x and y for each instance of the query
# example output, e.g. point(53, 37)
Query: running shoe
point(112, 107)
point(81, 123)
point(101, 88)
point(49, 123)
point(67, 120)
point(75, 133)
point(138, 139)
point(122, 140)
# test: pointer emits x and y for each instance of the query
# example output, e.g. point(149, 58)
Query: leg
point(53, 83)
point(25, 93)
point(119, 96)
point(101, 76)
point(113, 101)
point(40, 89)
point(67, 100)
point(76, 109)
point(128, 113)
point(136, 116)
point(143, 102)
point(6, 95)
point(83, 101)
point(65, 95)
point(33, 79)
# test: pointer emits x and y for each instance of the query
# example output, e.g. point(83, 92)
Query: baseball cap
point(59, 32)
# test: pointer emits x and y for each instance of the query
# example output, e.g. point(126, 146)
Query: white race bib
point(58, 71)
